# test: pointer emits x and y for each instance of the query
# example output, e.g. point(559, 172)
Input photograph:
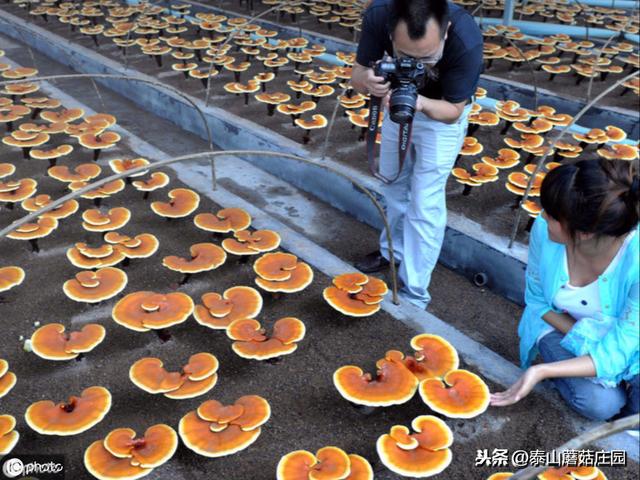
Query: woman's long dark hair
point(593, 196)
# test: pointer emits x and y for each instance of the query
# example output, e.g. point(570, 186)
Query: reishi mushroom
point(195, 378)
point(214, 430)
point(393, 384)
point(75, 416)
point(51, 342)
point(94, 287)
point(434, 357)
point(35, 203)
point(7, 379)
point(252, 343)
point(282, 272)
point(328, 463)
point(226, 220)
point(10, 277)
point(141, 246)
point(8, 434)
point(248, 243)
point(459, 394)
point(356, 294)
point(156, 181)
point(145, 310)
point(421, 454)
point(204, 257)
point(84, 256)
point(96, 221)
point(122, 454)
point(34, 231)
point(219, 311)
point(182, 203)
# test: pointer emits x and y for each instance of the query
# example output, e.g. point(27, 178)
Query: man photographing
point(445, 39)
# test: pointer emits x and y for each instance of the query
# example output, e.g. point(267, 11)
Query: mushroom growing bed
point(491, 205)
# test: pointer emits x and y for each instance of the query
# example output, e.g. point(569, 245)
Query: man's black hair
point(416, 14)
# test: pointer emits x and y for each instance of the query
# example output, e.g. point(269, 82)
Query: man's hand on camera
point(376, 85)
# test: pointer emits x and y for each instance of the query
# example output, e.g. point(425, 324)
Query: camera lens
point(402, 104)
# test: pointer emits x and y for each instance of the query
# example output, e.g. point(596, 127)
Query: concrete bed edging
point(488, 363)
point(467, 247)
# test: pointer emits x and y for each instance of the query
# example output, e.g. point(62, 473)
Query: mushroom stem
point(10, 124)
point(455, 164)
point(25, 152)
point(516, 204)
point(467, 190)
point(236, 76)
point(52, 162)
point(473, 128)
point(506, 127)
point(10, 205)
point(276, 295)
point(95, 40)
point(274, 360)
point(34, 245)
point(185, 279)
point(163, 334)
point(145, 196)
point(126, 262)
point(363, 409)
point(551, 76)
point(80, 357)
point(306, 137)
point(263, 86)
point(97, 202)
point(35, 113)
point(96, 154)
point(246, 98)
point(271, 108)
point(158, 59)
point(580, 77)
point(243, 259)
point(363, 130)
point(489, 63)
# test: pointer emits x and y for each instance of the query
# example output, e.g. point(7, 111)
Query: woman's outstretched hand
point(531, 377)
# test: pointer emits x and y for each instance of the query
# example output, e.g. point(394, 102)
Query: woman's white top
point(583, 302)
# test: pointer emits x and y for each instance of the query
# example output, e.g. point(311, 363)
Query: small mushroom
point(104, 191)
point(317, 121)
point(251, 243)
point(7, 379)
point(619, 151)
point(328, 462)
point(252, 343)
point(282, 272)
point(393, 383)
point(98, 142)
point(507, 158)
point(204, 257)
point(34, 231)
point(17, 191)
point(51, 342)
point(52, 154)
point(422, 454)
point(183, 202)
point(94, 287)
point(224, 221)
point(433, 358)
point(120, 166)
point(83, 256)
point(232, 429)
point(75, 416)
point(195, 378)
point(8, 435)
point(272, 100)
point(96, 221)
point(295, 111)
point(356, 294)
point(145, 310)
point(25, 140)
point(458, 394)
point(156, 181)
point(141, 246)
point(10, 277)
point(82, 173)
point(123, 455)
point(219, 311)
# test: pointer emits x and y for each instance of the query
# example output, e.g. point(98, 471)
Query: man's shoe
point(373, 262)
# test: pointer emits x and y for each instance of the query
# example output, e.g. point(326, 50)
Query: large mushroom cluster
point(356, 294)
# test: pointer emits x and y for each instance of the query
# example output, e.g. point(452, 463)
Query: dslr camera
point(406, 76)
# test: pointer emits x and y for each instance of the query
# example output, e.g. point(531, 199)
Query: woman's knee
point(597, 402)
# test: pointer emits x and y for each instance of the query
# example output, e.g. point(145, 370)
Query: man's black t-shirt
point(459, 69)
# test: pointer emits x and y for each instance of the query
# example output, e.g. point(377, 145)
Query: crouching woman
point(581, 293)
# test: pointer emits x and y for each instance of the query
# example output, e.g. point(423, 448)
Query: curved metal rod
point(325, 144)
point(552, 145)
point(161, 163)
point(154, 83)
point(600, 53)
point(230, 37)
point(587, 438)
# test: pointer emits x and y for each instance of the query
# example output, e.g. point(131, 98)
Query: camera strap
point(404, 141)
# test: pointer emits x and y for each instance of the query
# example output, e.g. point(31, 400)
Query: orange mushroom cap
point(460, 394)
point(29, 231)
point(619, 151)
point(225, 220)
point(17, 191)
point(183, 202)
point(327, 464)
point(82, 256)
point(141, 246)
point(156, 181)
point(145, 310)
point(251, 243)
point(94, 287)
point(248, 412)
point(356, 303)
point(8, 435)
point(571, 473)
point(394, 384)
point(422, 454)
point(82, 173)
point(96, 221)
point(204, 257)
point(219, 311)
point(500, 476)
point(300, 278)
point(37, 202)
point(52, 343)
point(103, 465)
point(155, 447)
point(252, 343)
point(433, 357)
point(10, 277)
point(122, 165)
point(98, 141)
point(7, 379)
point(75, 416)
